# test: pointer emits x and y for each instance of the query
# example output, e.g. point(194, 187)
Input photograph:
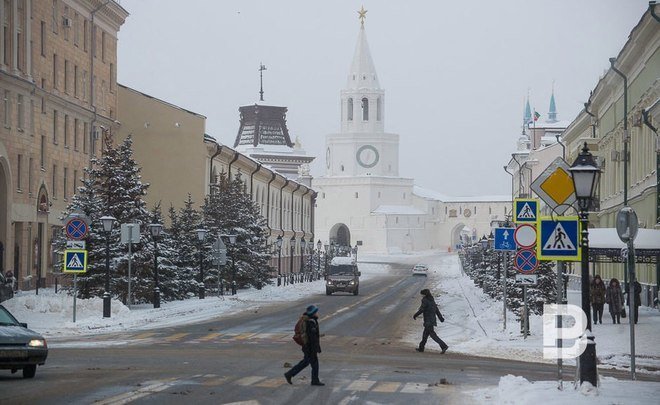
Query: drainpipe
point(513, 156)
point(218, 150)
point(236, 155)
point(286, 183)
point(252, 177)
point(593, 116)
point(626, 138)
point(302, 212)
point(292, 197)
point(652, 10)
point(563, 147)
point(311, 211)
point(645, 115)
point(506, 169)
point(92, 82)
point(272, 177)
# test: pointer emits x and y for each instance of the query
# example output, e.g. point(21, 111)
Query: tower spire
point(552, 113)
point(261, 81)
point(363, 15)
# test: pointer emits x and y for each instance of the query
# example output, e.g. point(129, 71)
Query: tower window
point(356, 195)
point(365, 109)
point(379, 109)
point(349, 109)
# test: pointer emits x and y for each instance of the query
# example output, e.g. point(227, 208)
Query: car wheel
point(355, 292)
point(29, 371)
point(328, 292)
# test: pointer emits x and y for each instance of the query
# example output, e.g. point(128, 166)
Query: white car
point(420, 270)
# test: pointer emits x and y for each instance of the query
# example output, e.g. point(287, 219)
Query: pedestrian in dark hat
point(311, 346)
point(430, 311)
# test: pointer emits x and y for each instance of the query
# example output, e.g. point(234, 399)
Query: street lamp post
point(303, 245)
point(278, 243)
point(355, 249)
point(318, 251)
point(232, 240)
point(108, 222)
point(201, 235)
point(155, 230)
point(326, 251)
point(586, 174)
point(292, 251)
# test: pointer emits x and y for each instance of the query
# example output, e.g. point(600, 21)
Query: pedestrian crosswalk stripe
point(214, 381)
point(360, 385)
point(244, 336)
point(271, 383)
point(175, 337)
point(386, 387)
point(144, 335)
point(558, 240)
point(249, 380)
point(210, 336)
point(414, 388)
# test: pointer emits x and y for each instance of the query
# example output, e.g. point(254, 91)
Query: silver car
point(20, 347)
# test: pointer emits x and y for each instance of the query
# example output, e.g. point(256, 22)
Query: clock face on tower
point(327, 158)
point(367, 156)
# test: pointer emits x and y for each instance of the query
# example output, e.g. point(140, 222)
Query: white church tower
point(361, 200)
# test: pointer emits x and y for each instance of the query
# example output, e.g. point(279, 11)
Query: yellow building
point(59, 97)
point(601, 124)
point(177, 158)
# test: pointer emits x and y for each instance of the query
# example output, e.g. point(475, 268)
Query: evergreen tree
point(184, 239)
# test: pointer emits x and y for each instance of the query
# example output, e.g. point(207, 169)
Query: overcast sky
point(455, 73)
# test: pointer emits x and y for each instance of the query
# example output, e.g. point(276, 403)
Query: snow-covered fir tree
point(230, 210)
point(184, 239)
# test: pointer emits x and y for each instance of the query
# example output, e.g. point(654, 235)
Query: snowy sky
point(455, 74)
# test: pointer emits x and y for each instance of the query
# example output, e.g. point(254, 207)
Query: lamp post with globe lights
point(278, 244)
point(201, 235)
point(155, 230)
point(107, 221)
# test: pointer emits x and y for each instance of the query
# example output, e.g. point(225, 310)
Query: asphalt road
point(242, 358)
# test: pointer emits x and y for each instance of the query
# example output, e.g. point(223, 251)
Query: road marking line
point(360, 385)
point(414, 388)
point(213, 381)
point(244, 336)
point(249, 380)
point(386, 387)
point(175, 337)
point(271, 383)
point(136, 394)
point(144, 335)
point(210, 336)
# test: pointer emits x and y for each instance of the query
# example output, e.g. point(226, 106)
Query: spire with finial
point(552, 114)
point(363, 14)
point(527, 117)
point(261, 81)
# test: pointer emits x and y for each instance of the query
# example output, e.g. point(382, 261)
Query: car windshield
point(340, 269)
point(419, 267)
point(6, 319)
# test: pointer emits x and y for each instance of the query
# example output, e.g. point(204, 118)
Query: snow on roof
point(433, 195)
point(398, 209)
point(605, 238)
point(545, 124)
point(342, 260)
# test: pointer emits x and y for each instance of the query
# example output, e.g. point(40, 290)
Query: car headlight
point(352, 283)
point(329, 282)
point(37, 343)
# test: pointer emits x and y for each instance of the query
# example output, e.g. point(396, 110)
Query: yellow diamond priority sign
point(555, 186)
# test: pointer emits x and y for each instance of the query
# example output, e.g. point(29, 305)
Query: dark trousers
point(429, 331)
point(309, 359)
point(598, 312)
point(616, 318)
point(636, 309)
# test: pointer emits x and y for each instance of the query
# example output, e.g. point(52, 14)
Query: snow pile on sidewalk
point(517, 390)
point(52, 314)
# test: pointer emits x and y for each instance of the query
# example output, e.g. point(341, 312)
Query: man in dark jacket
point(311, 347)
point(430, 311)
point(637, 290)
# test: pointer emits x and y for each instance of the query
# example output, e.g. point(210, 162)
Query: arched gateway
point(340, 235)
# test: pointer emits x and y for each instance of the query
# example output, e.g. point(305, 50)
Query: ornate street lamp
point(318, 250)
point(483, 242)
point(491, 240)
point(326, 251)
point(292, 251)
point(107, 221)
point(232, 240)
point(586, 175)
point(201, 235)
point(278, 243)
point(155, 230)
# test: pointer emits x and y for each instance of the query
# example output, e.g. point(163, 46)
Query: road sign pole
point(130, 257)
point(560, 300)
point(525, 318)
point(506, 270)
point(632, 311)
point(75, 292)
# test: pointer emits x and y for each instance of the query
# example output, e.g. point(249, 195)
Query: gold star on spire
point(363, 14)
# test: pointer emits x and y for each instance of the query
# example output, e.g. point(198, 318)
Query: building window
point(475, 210)
point(84, 85)
point(76, 30)
point(85, 37)
point(490, 210)
point(356, 195)
point(379, 194)
point(85, 136)
point(65, 17)
point(75, 134)
point(112, 78)
point(66, 130)
point(75, 80)
point(342, 168)
point(7, 109)
point(379, 109)
point(30, 166)
point(55, 17)
point(65, 183)
point(349, 109)
point(365, 109)
point(323, 195)
point(74, 182)
point(21, 113)
point(19, 172)
point(54, 70)
point(31, 117)
point(103, 46)
point(54, 183)
point(66, 76)
point(404, 196)
point(42, 152)
point(43, 38)
point(55, 127)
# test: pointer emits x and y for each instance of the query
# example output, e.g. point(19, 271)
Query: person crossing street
point(430, 310)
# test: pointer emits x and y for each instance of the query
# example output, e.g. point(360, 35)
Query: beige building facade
point(178, 158)
point(59, 100)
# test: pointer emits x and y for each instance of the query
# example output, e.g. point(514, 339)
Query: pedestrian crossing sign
point(526, 210)
point(75, 261)
point(558, 239)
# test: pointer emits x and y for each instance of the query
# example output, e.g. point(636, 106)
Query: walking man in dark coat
point(311, 346)
point(430, 311)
